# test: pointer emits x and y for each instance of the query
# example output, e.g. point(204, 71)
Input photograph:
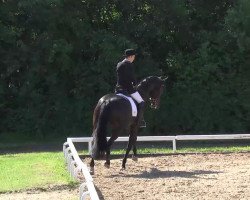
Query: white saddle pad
point(132, 103)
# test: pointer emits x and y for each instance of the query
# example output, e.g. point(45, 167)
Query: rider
point(126, 82)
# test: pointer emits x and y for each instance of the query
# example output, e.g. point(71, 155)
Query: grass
point(185, 149)
point(32, 170)
point(215, 149)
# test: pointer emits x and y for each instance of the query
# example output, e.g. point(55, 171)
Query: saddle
point(132, 103)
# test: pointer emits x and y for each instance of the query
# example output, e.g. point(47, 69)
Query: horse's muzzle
point(154, 103)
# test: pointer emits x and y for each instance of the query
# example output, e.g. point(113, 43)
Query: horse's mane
point(144, 83)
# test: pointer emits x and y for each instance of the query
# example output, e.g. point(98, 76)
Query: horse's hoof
point(134, 158)
point(91, 171)
point(107, 165)
point(122, 170)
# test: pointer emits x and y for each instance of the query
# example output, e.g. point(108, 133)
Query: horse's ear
point(164, 78)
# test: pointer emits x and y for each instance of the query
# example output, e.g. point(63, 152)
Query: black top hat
point(129, 52)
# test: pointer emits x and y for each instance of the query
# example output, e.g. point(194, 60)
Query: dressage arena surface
point(159, 177)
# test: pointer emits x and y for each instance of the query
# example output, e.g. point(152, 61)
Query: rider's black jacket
point(125, 77)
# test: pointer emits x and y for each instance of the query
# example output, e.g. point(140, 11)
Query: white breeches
point(136, 96)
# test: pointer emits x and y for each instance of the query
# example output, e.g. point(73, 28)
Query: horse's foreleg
point(131, 142)
point(134, 131)
point(92, 166)
point(107, 163)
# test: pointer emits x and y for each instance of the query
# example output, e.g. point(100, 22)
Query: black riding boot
point(141, 121)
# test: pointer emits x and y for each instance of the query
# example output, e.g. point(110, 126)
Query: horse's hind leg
point(92, 166)
point(131, 142)
point(110, 142)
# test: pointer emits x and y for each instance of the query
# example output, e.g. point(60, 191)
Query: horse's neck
point(143, 90)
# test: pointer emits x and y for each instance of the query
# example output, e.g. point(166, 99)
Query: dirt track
point(209, 176)
point(200, 176)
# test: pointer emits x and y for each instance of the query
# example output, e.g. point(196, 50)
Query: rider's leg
point(141, 104)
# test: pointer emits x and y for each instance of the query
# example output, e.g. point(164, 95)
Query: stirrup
point(142, 124)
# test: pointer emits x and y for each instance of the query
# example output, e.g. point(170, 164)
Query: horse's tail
point(99, 142)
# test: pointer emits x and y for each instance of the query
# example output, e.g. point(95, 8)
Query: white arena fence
point(76, 166)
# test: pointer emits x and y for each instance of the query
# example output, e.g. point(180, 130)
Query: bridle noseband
point(153, 102)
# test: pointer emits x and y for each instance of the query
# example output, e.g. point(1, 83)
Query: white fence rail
point(75, 165)
point(173, 139)
point(213, 137)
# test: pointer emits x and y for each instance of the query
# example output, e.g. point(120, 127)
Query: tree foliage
point(58, 58)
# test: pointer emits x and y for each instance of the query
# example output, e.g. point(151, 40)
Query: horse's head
point(151, 89)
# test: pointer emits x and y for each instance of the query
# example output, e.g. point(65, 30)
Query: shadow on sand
point(100, 195)
point(154, 173)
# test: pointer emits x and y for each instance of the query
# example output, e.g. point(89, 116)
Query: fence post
point(83, 194)
point(72, 168)
point(76, 171)
point(69, 159)
point(64, 147)
point(174, 145)
point(67, 150)
point(89, 146)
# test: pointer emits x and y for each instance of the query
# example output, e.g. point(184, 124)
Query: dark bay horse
point(116, 112)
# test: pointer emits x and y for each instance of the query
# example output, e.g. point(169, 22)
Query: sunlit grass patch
point(167, 150)
point(32, 170)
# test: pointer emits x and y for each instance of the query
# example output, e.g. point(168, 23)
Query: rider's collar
point(125, 60)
